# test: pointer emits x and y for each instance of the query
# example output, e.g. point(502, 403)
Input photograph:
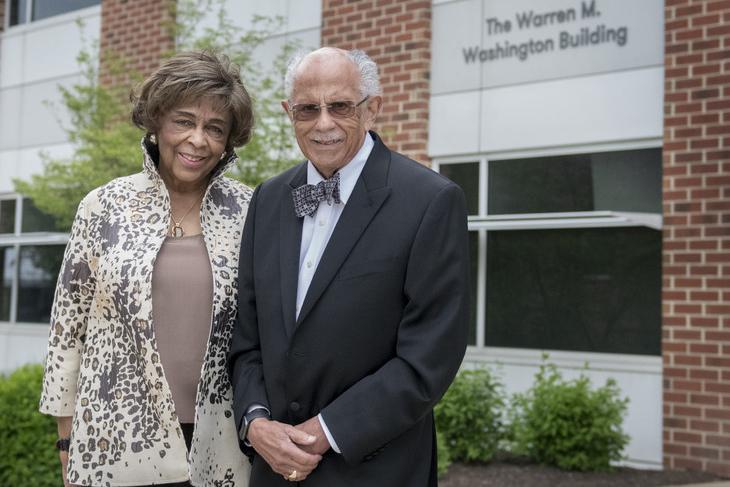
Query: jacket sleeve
point(244, 359)
point(432, 336)
point(69, 315)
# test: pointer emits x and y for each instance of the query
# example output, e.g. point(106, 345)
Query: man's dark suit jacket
point(382, 330)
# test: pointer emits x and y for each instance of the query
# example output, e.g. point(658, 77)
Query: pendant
point(177, 231)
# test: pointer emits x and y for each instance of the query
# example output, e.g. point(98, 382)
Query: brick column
point(696, 283)
point(135, 32)
point(397, 35)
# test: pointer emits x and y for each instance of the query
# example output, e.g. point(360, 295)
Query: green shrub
point(442, 453)
point(27, 452)
point(567, 424)
point(469, 416)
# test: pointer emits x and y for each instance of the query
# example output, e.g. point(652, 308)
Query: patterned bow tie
point(308, 196)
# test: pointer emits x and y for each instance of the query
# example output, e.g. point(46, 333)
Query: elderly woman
point(146, 297)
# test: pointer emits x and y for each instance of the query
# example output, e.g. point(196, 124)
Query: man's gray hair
point(369, 77)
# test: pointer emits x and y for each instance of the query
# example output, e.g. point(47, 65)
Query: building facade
point(591, 139)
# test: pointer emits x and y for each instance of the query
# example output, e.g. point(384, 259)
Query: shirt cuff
point(328, 434)
point(252, 407)
point(256, 406)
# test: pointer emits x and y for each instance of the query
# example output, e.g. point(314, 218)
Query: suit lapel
point(367, 197)
point(290, 238)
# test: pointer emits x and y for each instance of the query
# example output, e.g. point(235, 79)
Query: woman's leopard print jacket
point(103, 366)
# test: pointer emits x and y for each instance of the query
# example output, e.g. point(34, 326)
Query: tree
point(273, 148)
point(106, 143)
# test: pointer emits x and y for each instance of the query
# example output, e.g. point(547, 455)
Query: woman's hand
point(64, 431)
point(63, 455)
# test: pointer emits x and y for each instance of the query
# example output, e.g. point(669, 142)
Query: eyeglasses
point(306, 112)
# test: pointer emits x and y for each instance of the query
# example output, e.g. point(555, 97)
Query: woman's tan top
point(182, 300)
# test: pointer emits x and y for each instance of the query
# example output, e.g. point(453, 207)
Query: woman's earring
point(225, 153)
point(153, 139)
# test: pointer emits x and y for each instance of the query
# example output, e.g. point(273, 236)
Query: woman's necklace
point(177, 229)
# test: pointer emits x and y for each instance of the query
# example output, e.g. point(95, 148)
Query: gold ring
point(292, 475)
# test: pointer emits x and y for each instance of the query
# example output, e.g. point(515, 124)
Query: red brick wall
point(696, 284)
point(137, 32)
point(397, 35)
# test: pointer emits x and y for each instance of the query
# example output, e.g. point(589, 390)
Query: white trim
point(482, 259)
point(28, 12)
point(481, 304)
point(17, 225)
point(578, 219)
point(37, 238)
point(646, 465)
point(558, 150)
point(14, 284)
point(24, 328)
point(605, 362)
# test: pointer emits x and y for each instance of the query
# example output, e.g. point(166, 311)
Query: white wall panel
point(30, 161)
point(487, 43)
point(304, 14)
point(48, 48)
point(611, 107)
point(34, 59)
point(10, 110)
point(43, 115)
point(51, 52)
point(301, 24)
point(297, 14)
point(448, 37)
point(11, 60)
point(9, 163)
point(454, 124)
point(22, 344)
point(22, 163)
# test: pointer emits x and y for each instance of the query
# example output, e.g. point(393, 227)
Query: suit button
point(294, 406)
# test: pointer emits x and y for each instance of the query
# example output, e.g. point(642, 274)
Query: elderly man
point(353, 300)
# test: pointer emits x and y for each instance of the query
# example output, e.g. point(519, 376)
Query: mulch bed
point(520, 473)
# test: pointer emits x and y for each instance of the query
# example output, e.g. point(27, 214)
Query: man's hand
point(281, 445)
point(313, 427)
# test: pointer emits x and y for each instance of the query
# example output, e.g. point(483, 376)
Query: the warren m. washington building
point(592, 140)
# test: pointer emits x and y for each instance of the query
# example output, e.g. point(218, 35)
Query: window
point(619, 181)
point(566, 250)
point(7, 216)
point(584, 289)
point(37, 274)
point(24, 11)
point(18, 12)
point(34, 220)
point(30, 259)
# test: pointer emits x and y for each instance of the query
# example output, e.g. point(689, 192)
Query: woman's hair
point(188, 77)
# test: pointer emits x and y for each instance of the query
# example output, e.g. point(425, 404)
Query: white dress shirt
point(317, 230)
